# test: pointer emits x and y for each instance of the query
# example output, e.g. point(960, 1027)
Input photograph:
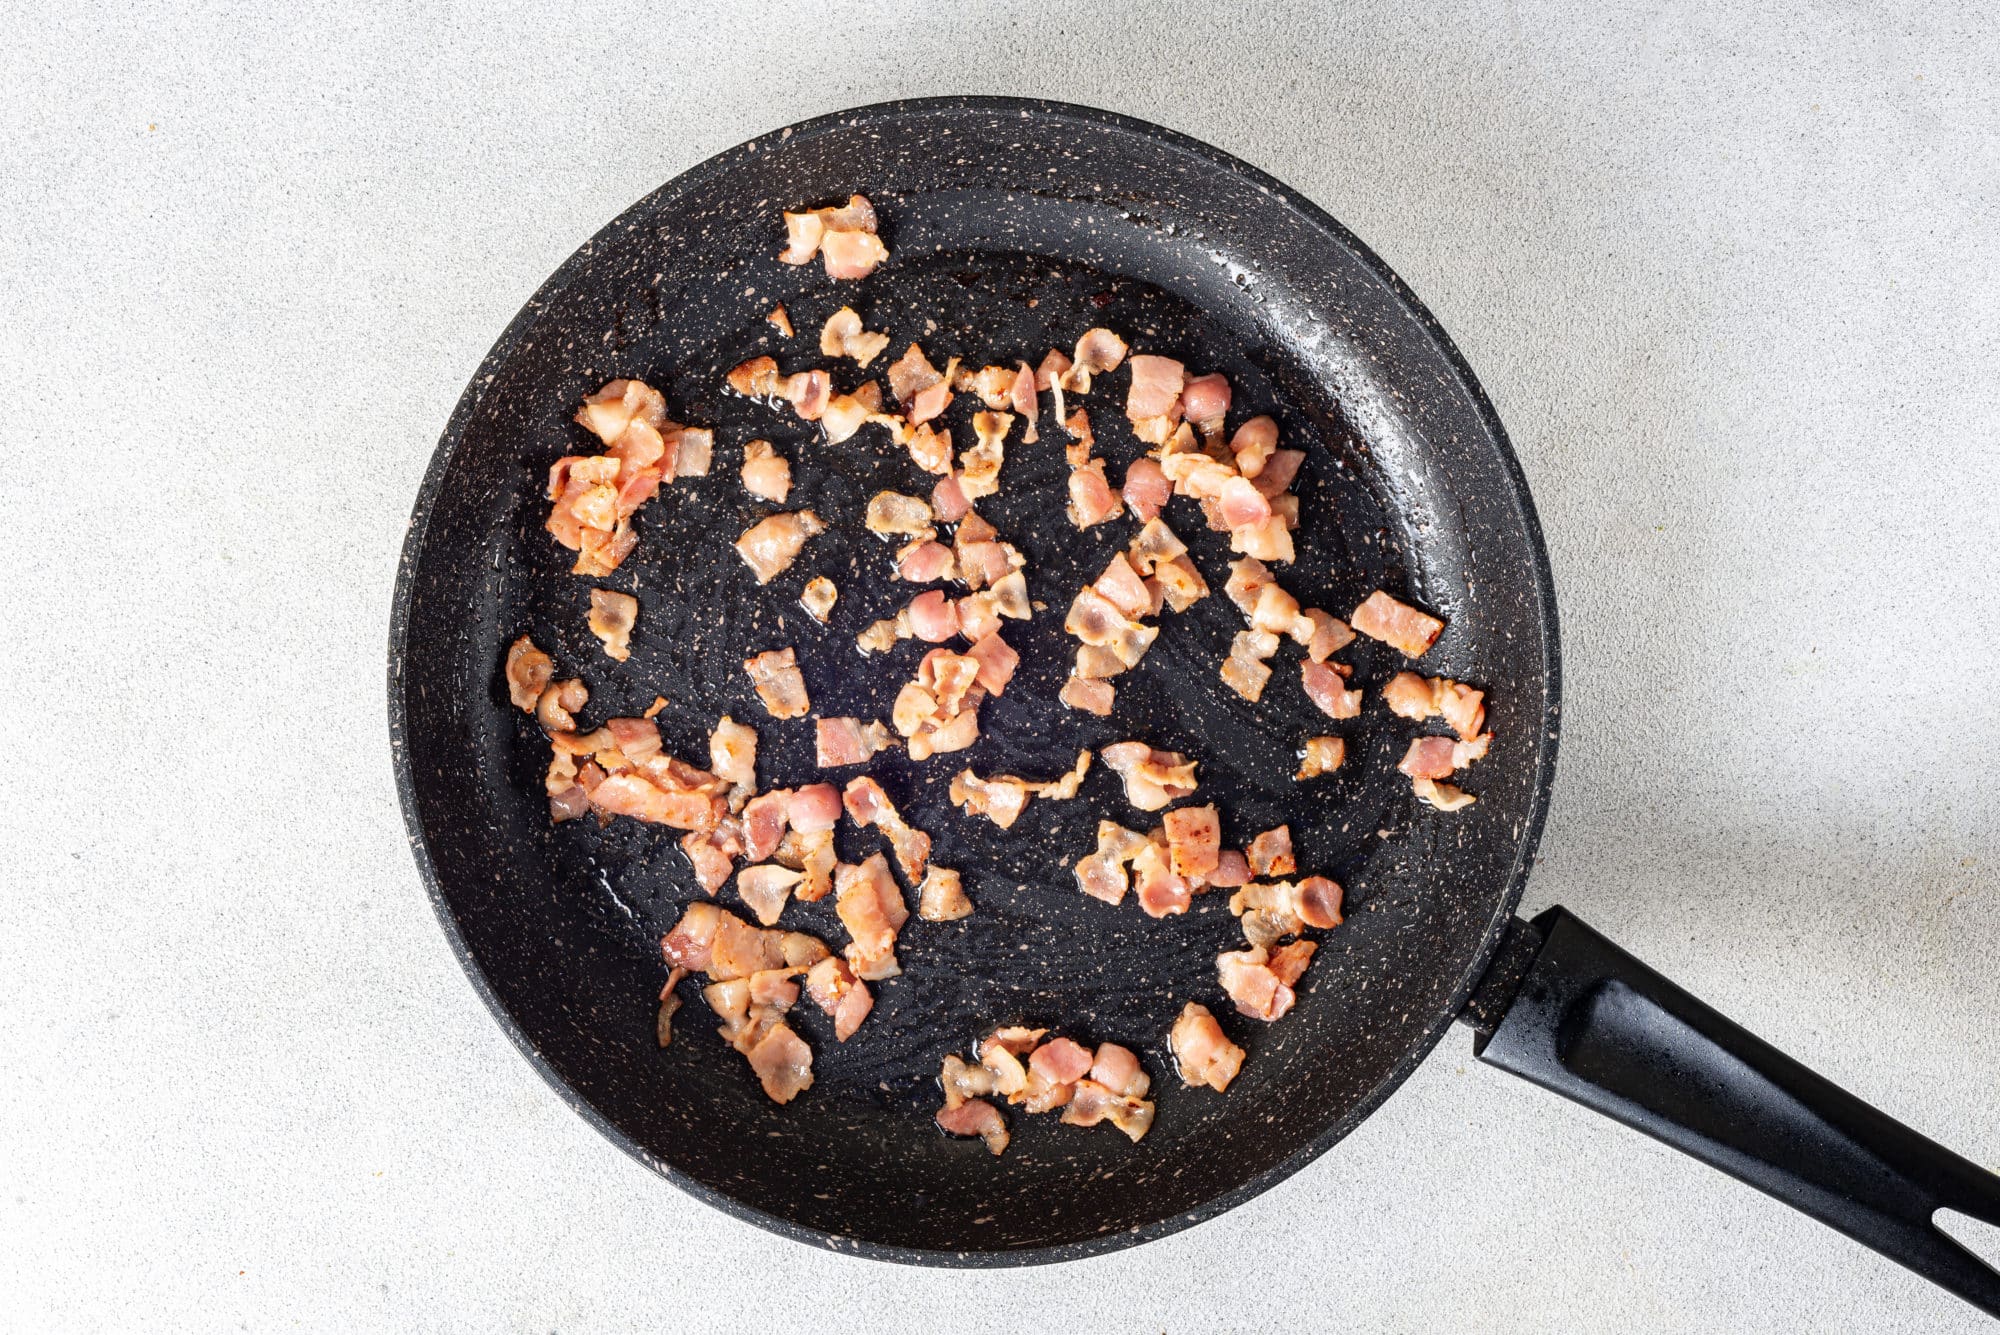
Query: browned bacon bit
point(613, 618)
point(1260, 981)
point(765, 472)
point(1093, 1102)
point(979, 466)
point(1383, 618)
point(818, 598)
point(872, 909)
point(941, 896)
point(1440, 757)
point(669, 1003)
point(1194, 840)
point(1244, 671)
point(1321, 755)
point(757, 378)
point(844, 238)
point(732, 754)
point(1101, 875)
point(1098, 351)
point(1326, 687)
point(891, 512)
point(780, 319)
point(556, 707)
point(849, 741)
point(770, 546)
point(843, 336)
point(1202, 1051)
point(1415, 697)
point(765, 889)
point(1067, 786)
point(868, 805)
point(1152, 778)
point(939, 712)
point(992, 385)
point(1270, 853)
point(780, 685)
point(835, 990)
point(1000, 799)
point(595, 496)
point(910, 375)
point(528, 672)
point(879, 637)
point(1443, 796)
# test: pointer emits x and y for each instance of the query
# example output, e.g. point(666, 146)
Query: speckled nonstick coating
point(1013, 226)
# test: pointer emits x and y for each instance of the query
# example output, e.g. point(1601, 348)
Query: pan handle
point(1569, 1010)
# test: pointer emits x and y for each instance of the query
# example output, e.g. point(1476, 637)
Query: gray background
point(1729, 273)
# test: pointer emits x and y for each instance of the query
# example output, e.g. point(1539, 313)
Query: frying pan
point(1013, 226)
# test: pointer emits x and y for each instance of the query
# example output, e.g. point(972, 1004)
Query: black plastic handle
point(1567, 1009)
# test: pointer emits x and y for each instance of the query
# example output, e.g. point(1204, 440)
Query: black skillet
point(1014, 225)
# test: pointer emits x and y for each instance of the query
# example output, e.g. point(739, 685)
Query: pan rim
point(1545, 754)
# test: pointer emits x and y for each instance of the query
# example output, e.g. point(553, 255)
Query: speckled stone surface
point(1730, 282)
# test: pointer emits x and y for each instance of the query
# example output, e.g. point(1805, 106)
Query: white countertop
point(1732, 281)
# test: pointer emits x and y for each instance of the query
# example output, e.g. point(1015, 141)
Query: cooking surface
point(1731, 284)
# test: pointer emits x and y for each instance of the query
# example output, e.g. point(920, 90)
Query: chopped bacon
point(639, 797)
point(781, 1059)
point(809, 393)
point(1321, 755)
point(1288, 962)
point(1383, 618)
point(1021, 398)
point(1055, 363)
point(595, 496)
point(1095, 620)
point(867, 804)
point(818, 597)
point(1194, 840)
point(1091, 499)
point(879, 637)
point(1180, 583)
point(764, 821)
point(1156, 387)
point(780, 319)
point(1098, 351)
point(686, 945)
point(1147, 489)
point(814, 808)
point(732, 753)
point(1154, 545)
point(843, 336)
point(949, 500)
point(925, 562)
point(1202, 1051)
point(999, 799)
point(872, 909)
point(1205, 402)
point(975, 1117)
point(1252, 446)
point(843, 237)
point(1428, 758)
point(979, 467)
point(1328, 636)
point(1060, 1061)
point(771, 545)
point(712, 854)
point(849, 741)
point(941, 896)
point(1443, 796)
point(1232, 869)
point(835, 990)
point(1328, 689)
point(1270, 853)
point(528, 671)
point(997, 661)
point(765, 889)
point(1102, 875)
point(1088, 696)
point(1159, 890)
point(1152, 778)
point(1269, 540)
point(1415, 697)
point(765, 472)
point(851, 254)
point(779, 683)
point(1251, 982)
point(1245, 671)
point(1092, 1103)
point(669, 1003)
point(757, 378)
point(933, 617)
point(1116, 1068)
point(910, 374)
point(893, 512)
point(939, 711)
point(1064, 788)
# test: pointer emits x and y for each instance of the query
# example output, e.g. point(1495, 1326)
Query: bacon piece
point(1147, 489)
point(1064, 788)
point(1154, 545)
point(1088, 696)
point(1095, 620)
point(1443, 796)
point(1326, 688)
point(765, 473)
point(1252, 446)
point(1152, 778)
point(1205, 402)
point(1428, 758)
point(975, 1117)
point(1091, 499)
point(771, 545)
point(765, 889)
point(1156, 387)
point(669, 1003)
point(809, 393)
point(764, 820)
point(999, 799)
point(1203, 1053)
point(813, 808)
point(636, 796)
point(1117, 1069)
point(1122, 587)
point(1159, 890)
point(1269, 540)
point(872, 909)
point(779, 683)
point(528, 671)
point(1244, 671)
point(1060, 1061)
point(1091, 1103)
point(1383, 618)
point(1194, 840)
point(1253, 985)
point(781, 319)
point(925, 562)
point(1098, 351)
point(1021, 398)
point(843, 336)
point(1232, 869)
point(867, 804)
point(835, 990)
point(1321, 755)
point(1415, 697)
point(851, 254)
point(803, 232)
point(941, 896)
point(1101, 875)
point(893, 512)
point(933, 617)
point(1270, 853)
point(713, 856)
point(1054, 364)
point(686, 945)
point(949, 500)
point(781, 1059)
point(849, 741)
point(1328, 634)
point(818, 597)
point(879, 637)
point(1180, 583)
point(756, 379)
point(997, 661)
point(911, 374)
point(815, 855)
point(732, 754)
point(979, 467)
point(843, 237)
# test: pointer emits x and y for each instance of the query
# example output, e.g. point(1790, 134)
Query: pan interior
point(1004, 243)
